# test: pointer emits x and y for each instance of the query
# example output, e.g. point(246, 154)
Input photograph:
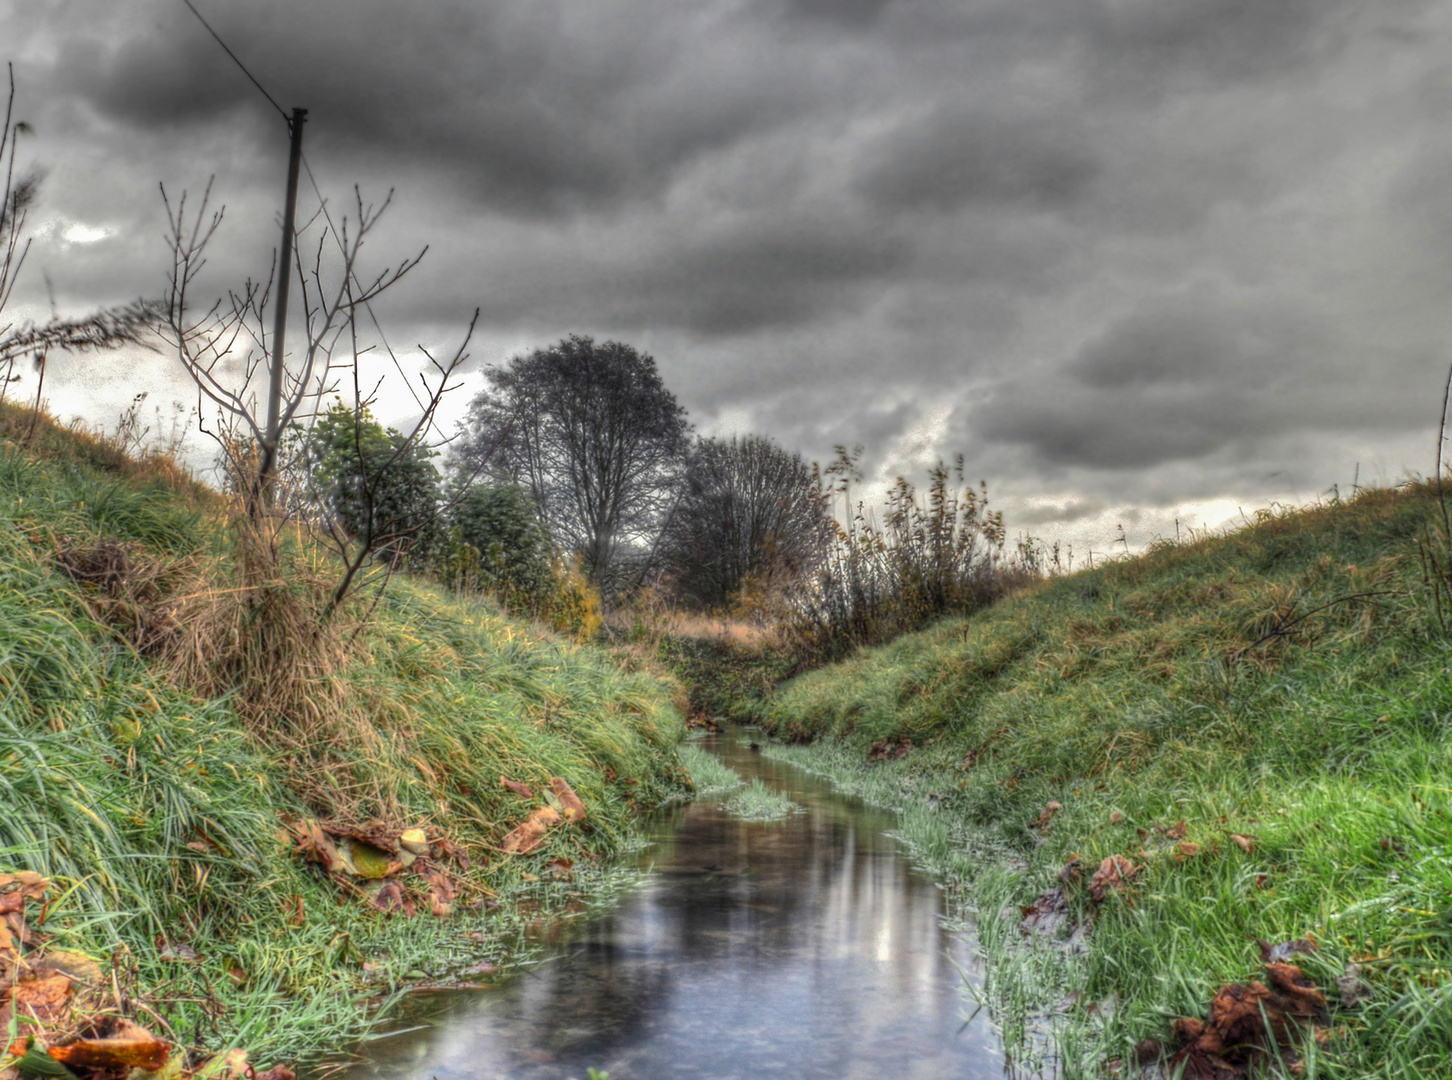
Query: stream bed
point(807, 948)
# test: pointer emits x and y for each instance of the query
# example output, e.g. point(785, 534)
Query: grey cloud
point(954, 157)
point(1151, 42)
point(1149, 249)
point(542, 112)
point(1194, 342)
point(1192, 376)
point(854, 14)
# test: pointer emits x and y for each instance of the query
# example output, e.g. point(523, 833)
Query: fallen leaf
point(571, 808)
point(1116, 818)
point(1246, 843)
point(1047, 815)
point(367, 860)
point(1113, 872)
point(316, 846)
point(1177, 831)
point(1148, 1051)
point(114, 1044)
point(530, 835)
point(561, 867)
point(519, 789)
point(390, 899)
point(1188, 849)
point(35, 1060)
point(441, 894)
point(44, 1000)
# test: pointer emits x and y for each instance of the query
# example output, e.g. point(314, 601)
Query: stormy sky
point(1136, 260)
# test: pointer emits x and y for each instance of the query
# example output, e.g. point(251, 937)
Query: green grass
point(1156, 690)
point(157, 812)
point(709, 775)
point(757, 802)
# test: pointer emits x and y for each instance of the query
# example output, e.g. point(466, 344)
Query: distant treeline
point(576, 475)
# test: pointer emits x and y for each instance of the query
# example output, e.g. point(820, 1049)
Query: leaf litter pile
point(405, 871)
point(61, 1019)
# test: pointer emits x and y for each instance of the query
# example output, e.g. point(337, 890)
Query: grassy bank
point(158, 812)
point(1282, 691)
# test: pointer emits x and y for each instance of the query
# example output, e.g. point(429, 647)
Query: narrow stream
point(809, 948)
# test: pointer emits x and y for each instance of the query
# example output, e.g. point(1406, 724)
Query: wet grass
point(1287, 684)
point(757, 802)
point(709, 774)
point(157, 811)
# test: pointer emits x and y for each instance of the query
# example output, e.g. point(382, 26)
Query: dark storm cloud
point(854, 14)
point(1220, 40)
point(544, 110)
point(1119, 251)
point(1186, 378)
point(954, 156)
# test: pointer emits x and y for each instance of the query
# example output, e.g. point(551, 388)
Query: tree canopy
point(745, 506)
point(592, 433)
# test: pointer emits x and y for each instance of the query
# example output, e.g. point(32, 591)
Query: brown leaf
point(316, 846)
point(1147, 1052)
point(390, 899)
point(45, 1000)
point(1112, 872)
point(115, 1045)
point(1246, 843)
point(441, 894)
point(1047, 815)
point(1177, 831)
point(571, 807)
point(531, 834)
point(1115, 817)
point(277, 1072)
point(518, 788)
point(1188, 849)
point(1297, 995)
point(560, 868)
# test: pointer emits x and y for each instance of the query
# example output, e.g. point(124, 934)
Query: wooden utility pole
point(267, 471)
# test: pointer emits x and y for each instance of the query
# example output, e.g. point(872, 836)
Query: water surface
point(806, 949)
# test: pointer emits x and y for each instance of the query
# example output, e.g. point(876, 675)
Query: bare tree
point(110, 328)
point(225, 349)
point(746, 507)
point(597, 439)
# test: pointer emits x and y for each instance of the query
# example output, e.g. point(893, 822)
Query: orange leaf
point(518, 788)
point(1246, 842)
point(571, 806)
point(123, 1046)
point(531, 834)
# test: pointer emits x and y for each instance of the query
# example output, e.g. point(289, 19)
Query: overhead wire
point(322, 202)
point(236, 60)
